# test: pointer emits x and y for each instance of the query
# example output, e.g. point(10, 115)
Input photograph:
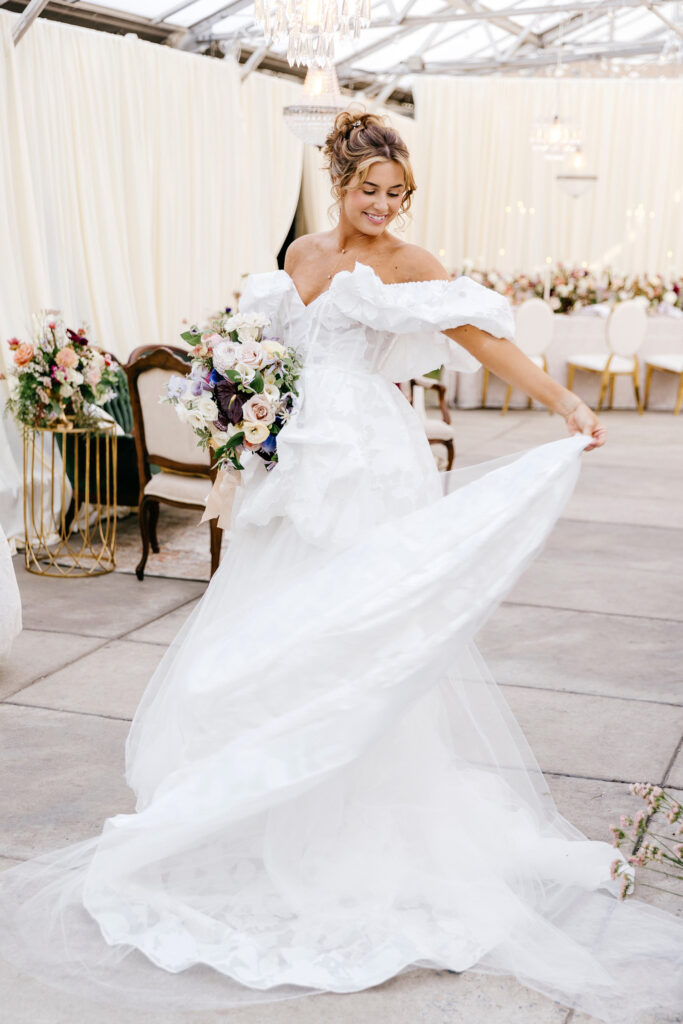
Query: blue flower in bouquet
point(269, 446)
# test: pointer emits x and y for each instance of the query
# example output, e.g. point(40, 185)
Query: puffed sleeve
point(268, 293)
point(416, 312)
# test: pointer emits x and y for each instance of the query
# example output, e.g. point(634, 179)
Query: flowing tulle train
point(330, 787)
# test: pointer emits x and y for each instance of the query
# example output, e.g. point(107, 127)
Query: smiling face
point(372, 205)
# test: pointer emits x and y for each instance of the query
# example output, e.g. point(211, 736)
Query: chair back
point(534, 327)
point(160, 436)
point(626, 327)
point(419, 400)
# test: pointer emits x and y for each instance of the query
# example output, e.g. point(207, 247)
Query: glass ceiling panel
point(451, 41)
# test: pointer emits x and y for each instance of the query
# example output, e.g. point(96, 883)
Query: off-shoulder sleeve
point(416, 312)
point(267, 293)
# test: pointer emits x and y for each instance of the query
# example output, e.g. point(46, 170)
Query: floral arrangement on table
point(59, 378)
point(571, 288)
point(241, 389)
point(650, 845)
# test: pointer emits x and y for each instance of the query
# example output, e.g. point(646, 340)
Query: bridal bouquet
point(241, 389)
point(58, 378)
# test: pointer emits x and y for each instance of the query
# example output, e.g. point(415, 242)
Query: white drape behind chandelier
point(471, 155)
point(138, 185)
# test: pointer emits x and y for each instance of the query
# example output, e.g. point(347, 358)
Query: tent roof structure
point(410, 37)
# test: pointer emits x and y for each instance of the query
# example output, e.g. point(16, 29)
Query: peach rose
point(66, 357)
point(258, 410)
point(92, 376)
point(23, 354)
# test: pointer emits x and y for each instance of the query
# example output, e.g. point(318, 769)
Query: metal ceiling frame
point(513, 39)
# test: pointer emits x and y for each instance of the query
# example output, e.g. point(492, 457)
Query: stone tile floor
point(587, 649)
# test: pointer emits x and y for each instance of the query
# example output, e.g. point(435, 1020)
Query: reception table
point(576, 334)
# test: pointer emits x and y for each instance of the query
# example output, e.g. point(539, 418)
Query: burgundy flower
point(229, 403)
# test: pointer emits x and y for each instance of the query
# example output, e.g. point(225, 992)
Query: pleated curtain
point(137, 183)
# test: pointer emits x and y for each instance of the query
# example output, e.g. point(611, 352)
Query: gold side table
point(70, 500)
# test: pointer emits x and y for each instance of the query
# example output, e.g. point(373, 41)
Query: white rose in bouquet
point(252, 354)
point(274, 348)
point(247, 373)
point(207, 408)
point(225, 355)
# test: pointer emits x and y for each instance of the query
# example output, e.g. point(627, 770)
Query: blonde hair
point(356, 142)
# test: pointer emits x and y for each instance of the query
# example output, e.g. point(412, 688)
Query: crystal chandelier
point(554, 138)
point(310, 27)
point(313, 118)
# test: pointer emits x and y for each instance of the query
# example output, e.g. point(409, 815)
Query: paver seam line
point(119, 636)
point(118, 718)
point(67, 664)
point(585, 778)
point(672, 761)
point(163, 615)
point(611, 522)
point(65, 711)
point(588, 611)
point(582, 693)
point(73, 661)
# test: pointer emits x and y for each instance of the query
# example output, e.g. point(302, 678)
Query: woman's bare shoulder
point(413, 263)
point(304, 248)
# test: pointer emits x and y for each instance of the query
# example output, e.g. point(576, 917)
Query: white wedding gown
point(331, 789)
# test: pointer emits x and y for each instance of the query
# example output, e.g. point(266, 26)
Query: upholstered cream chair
point(670, 363)
point(534, 329)
point(185, 475)
point(438, 431)
point(624, 333)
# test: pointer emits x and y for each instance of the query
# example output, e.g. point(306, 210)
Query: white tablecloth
point(577, 334)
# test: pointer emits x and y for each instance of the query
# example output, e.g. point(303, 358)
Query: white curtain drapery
point(484, 195)
point(139, 186)
point(473, 159)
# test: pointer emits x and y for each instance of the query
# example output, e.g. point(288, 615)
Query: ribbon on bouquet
point(221, 497)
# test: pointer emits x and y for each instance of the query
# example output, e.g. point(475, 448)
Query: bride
point(330, 787)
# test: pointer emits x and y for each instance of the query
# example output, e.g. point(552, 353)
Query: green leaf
point(257, 383)
point(234, 376)
point(227, 448)
point(191, 337)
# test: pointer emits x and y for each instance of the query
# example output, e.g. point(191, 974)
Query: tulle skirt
point(331, 789)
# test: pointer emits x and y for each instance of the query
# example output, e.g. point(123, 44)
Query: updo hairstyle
point(356, 142)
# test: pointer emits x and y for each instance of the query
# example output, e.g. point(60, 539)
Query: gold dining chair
point(669, 363)
point(624, 333)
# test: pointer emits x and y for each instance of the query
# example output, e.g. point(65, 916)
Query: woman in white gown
point(330, 788)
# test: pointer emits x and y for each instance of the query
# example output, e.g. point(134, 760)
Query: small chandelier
point(313, 118)
point(554, 138)
point(311, 27)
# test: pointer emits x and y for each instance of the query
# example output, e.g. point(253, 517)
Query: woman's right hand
point(582, 420)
